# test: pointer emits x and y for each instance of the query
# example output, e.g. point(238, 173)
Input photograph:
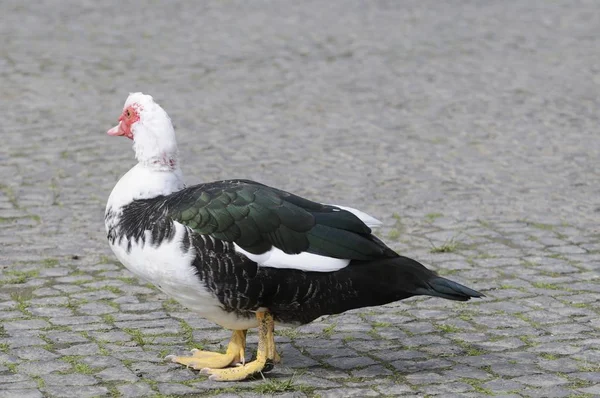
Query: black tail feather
point(412, 277)
point(445, 288)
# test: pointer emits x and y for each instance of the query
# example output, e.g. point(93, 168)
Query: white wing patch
point(370, 221)
point(304, 261)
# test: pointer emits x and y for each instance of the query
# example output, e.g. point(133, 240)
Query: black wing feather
point(257, 217)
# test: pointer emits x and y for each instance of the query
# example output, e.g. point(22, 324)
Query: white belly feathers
point(171, 270)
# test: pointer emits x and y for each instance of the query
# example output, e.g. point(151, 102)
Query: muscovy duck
point(242, 254)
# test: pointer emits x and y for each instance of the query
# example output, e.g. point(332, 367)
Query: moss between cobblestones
point(431, 217)
point(40, 381)
point(373, 333)
point(445, 328)
point(171, 305)
point(287, 332)
point(111, 303)
point(557, 256)
point(274, 386)
point(112, 390)
point(187, 332)
point(525, 318)
point(105, 260)
point(394, 234)
point(328, 331)
point(548, 286)
point(113, 289)
point(395, 377)
point(381, 324)
point(476, 384)
point(21, 297)
point(576, 383)
point(447, 272)
point(548, 356)
point(18, 277)
point(528, 341)
point(470, 350)
point(348, 339)
point(164, 352)
point(589, 367)
point(11, 367)
point(449, 246)
point(138, 337)
point(10, 194)
point(108, 318)
point(127, 279)
point(538, 225)
point(74, 304)
point(78, 366)
point(50, 262)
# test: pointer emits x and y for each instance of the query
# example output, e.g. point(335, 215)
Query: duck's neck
point(145, 181)
point(154, 141)
point(161, 162)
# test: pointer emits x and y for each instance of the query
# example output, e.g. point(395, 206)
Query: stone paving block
point(42, 367)
point(175, 389)
point(117, 373)
point(594, 390)
point(564, 365)
point(80, 349)
point(447, 389)
point(478, 158)
point(542, 380)
point(34, 353)
point(589, 376)
point(348, 392)
point(502, 385)
point(14, 326)
point(461, 371)
point(347, 363)
point(22, 393)
point(77, 392)
point(393, 389)
point(425, 378)
point(69, 380)
point(23, 341)
point(65, 337)
point(554, 392)
point(75, 320)
point(135, 390)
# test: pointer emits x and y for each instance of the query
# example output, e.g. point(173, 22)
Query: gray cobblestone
point(26, 393)
point(42, 367)
point(349, 392)
point(69, 380)
point(77, 392)
point(135, 390)
point(594, 390)
point(542, 380)
point(475, 143)
point(117, 373)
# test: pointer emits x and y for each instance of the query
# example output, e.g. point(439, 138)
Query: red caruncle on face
point(129, 116)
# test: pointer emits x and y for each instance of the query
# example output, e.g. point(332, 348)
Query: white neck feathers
point(154, 140)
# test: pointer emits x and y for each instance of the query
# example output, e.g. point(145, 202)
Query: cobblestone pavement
point(470, 127)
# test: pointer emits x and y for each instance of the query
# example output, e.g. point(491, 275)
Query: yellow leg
point(265, 327)
point(271, 352)
point(204, 359)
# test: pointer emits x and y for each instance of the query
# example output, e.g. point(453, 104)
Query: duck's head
point(150, 128)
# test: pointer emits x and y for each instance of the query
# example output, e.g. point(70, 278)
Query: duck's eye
point(128, 113)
